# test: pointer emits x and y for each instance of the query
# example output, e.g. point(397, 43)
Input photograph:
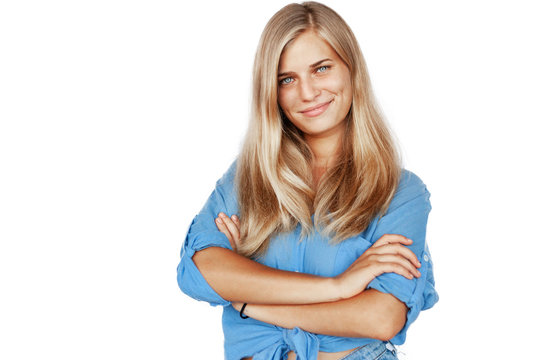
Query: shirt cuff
point(418, 294)
point(189, 278)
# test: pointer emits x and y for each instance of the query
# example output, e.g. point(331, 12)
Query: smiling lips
point(316, 110)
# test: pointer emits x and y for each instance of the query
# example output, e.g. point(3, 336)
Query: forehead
point(305, 50)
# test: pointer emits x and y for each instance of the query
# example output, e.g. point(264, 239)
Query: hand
point(230, 227)
point(388, 254)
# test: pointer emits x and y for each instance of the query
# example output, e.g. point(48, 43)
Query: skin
point(369, 313)
point(339, 306)
point(302, 86)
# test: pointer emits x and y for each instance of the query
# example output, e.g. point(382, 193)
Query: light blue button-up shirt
point(407, 216)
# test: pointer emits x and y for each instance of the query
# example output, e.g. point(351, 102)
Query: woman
point(314, 239)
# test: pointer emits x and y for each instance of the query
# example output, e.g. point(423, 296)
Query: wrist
point(237, 306)
point(335, 289)
point(243, 312)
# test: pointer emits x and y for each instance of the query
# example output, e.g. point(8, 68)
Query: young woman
point(314, 240)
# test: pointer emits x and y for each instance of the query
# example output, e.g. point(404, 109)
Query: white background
point(118, 117)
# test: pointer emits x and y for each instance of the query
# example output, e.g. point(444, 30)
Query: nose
point(308, 90)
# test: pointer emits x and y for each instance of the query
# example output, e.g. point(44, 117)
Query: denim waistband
point(373, 351)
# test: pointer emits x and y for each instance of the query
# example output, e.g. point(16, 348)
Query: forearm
point(370, 314)
point(237, 278)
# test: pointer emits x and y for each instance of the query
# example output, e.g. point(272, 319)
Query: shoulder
point(410, 187)
point(410, 182)
point(226, 188)
point(227, 180)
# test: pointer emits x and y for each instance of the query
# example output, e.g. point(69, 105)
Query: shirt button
point(426, 257)
point(390, 346)
point(295, 270)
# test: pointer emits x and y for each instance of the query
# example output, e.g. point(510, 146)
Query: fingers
point(236, 221)
point(395, 243)
point(403, 265)
point(392, 255)
point(230, 228)
point(397, 268)
point(397, 249)
point(223, 228)
point(392, 239)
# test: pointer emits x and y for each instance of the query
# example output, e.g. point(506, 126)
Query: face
point(314, 86)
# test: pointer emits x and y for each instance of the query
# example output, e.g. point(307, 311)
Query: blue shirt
point(407, 216)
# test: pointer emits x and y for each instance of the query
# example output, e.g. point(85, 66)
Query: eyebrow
point(311, 66)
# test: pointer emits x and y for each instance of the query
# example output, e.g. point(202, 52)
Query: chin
point(316, 131)
point(313, 129)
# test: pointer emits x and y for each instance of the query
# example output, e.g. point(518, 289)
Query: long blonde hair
point(274, 169)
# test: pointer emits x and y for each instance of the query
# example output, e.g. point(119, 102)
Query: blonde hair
point(274, 170)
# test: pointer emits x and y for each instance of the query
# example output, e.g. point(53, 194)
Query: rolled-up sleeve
point(203, 233)
point(407, 216)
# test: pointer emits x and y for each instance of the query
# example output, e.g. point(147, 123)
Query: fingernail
point(222, 215)
point(234, 217)
point(219, 220)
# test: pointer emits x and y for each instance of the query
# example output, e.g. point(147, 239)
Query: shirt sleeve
point(203, 233)
point(407, 215)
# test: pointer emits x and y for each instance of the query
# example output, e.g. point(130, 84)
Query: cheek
point(347, 91)
point(285, 100)
point(341, 85)
point(342, 82)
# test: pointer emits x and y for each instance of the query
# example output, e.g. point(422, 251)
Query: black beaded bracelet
point(242, 312)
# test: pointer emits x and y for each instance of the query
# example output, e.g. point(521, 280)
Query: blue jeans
point(378, 350)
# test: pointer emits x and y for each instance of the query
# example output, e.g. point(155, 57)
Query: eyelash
point(320, 67)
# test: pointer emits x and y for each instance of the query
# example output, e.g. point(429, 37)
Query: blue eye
point(325, 67)
point(283, 81)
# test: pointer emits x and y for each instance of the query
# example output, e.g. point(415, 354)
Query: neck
point(326, 150)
